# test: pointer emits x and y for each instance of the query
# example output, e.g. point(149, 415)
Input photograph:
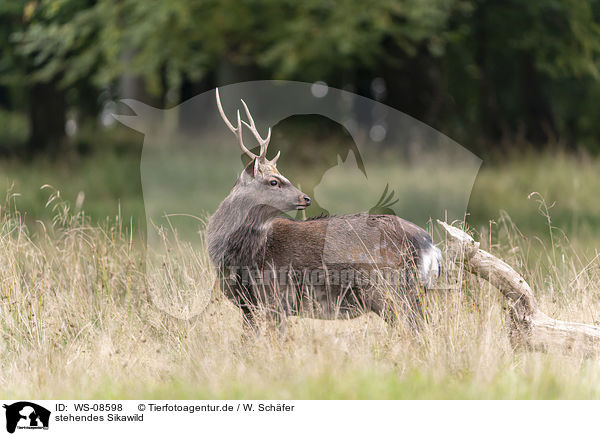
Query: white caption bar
point(263, 418)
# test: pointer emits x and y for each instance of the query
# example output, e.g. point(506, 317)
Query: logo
point(26, 415)
point(352, 154)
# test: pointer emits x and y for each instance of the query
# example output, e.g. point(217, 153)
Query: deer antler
point(237, 132)
point(263, 142)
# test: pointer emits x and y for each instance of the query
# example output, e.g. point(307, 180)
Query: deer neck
point(237, 232)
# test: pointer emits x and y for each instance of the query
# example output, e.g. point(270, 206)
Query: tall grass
point(78, 319)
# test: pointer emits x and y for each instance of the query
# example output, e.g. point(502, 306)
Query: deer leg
point(285, 303)
point(277, 322)
point(263, 320)
point(405, 308)
point(415, 315)
point(270, 312)
point(249, 318)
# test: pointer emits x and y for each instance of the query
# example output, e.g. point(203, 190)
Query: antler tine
point(239, 136)
point(274, 160)
point(223, 116)
point(237, 132)
point(264, 143)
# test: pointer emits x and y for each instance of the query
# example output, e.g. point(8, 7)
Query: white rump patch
point(430, 266)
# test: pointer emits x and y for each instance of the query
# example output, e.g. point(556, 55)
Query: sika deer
point(323, 266)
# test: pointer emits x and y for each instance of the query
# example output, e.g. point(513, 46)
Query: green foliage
point(477, 69)
point(293, 39)
point(328, 38)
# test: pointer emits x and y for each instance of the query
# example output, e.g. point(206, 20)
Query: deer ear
point(351, 159)
point(255, 164)
point(250, 172)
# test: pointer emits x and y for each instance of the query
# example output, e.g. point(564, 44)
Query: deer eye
point(273, 182)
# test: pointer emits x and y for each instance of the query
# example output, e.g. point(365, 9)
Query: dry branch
point(529, 326)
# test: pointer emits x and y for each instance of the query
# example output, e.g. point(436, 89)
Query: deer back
point(372, 241)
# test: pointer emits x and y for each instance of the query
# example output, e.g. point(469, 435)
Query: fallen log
point(528, 326)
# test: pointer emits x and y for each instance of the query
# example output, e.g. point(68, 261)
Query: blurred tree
point(495, 70)
point(511, 64)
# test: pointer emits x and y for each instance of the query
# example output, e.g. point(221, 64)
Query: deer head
point(260, 182)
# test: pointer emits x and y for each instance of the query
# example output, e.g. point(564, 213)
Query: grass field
point(76, 320)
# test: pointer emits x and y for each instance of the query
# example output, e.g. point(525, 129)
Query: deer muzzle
point(304, 202)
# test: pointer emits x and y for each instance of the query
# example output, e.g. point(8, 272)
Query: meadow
point(77, 321)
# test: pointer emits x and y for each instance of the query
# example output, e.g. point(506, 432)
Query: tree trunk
point(529, 326)
point(47, 117)
point(493, 125)
point(540, 126)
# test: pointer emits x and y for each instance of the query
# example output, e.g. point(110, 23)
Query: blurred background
point(516, 83)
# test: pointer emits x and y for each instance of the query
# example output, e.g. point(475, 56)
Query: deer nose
point(307, 200)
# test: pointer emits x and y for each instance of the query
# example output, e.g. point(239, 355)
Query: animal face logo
point(346, 179)
point(190, 161)
point(26, 415)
